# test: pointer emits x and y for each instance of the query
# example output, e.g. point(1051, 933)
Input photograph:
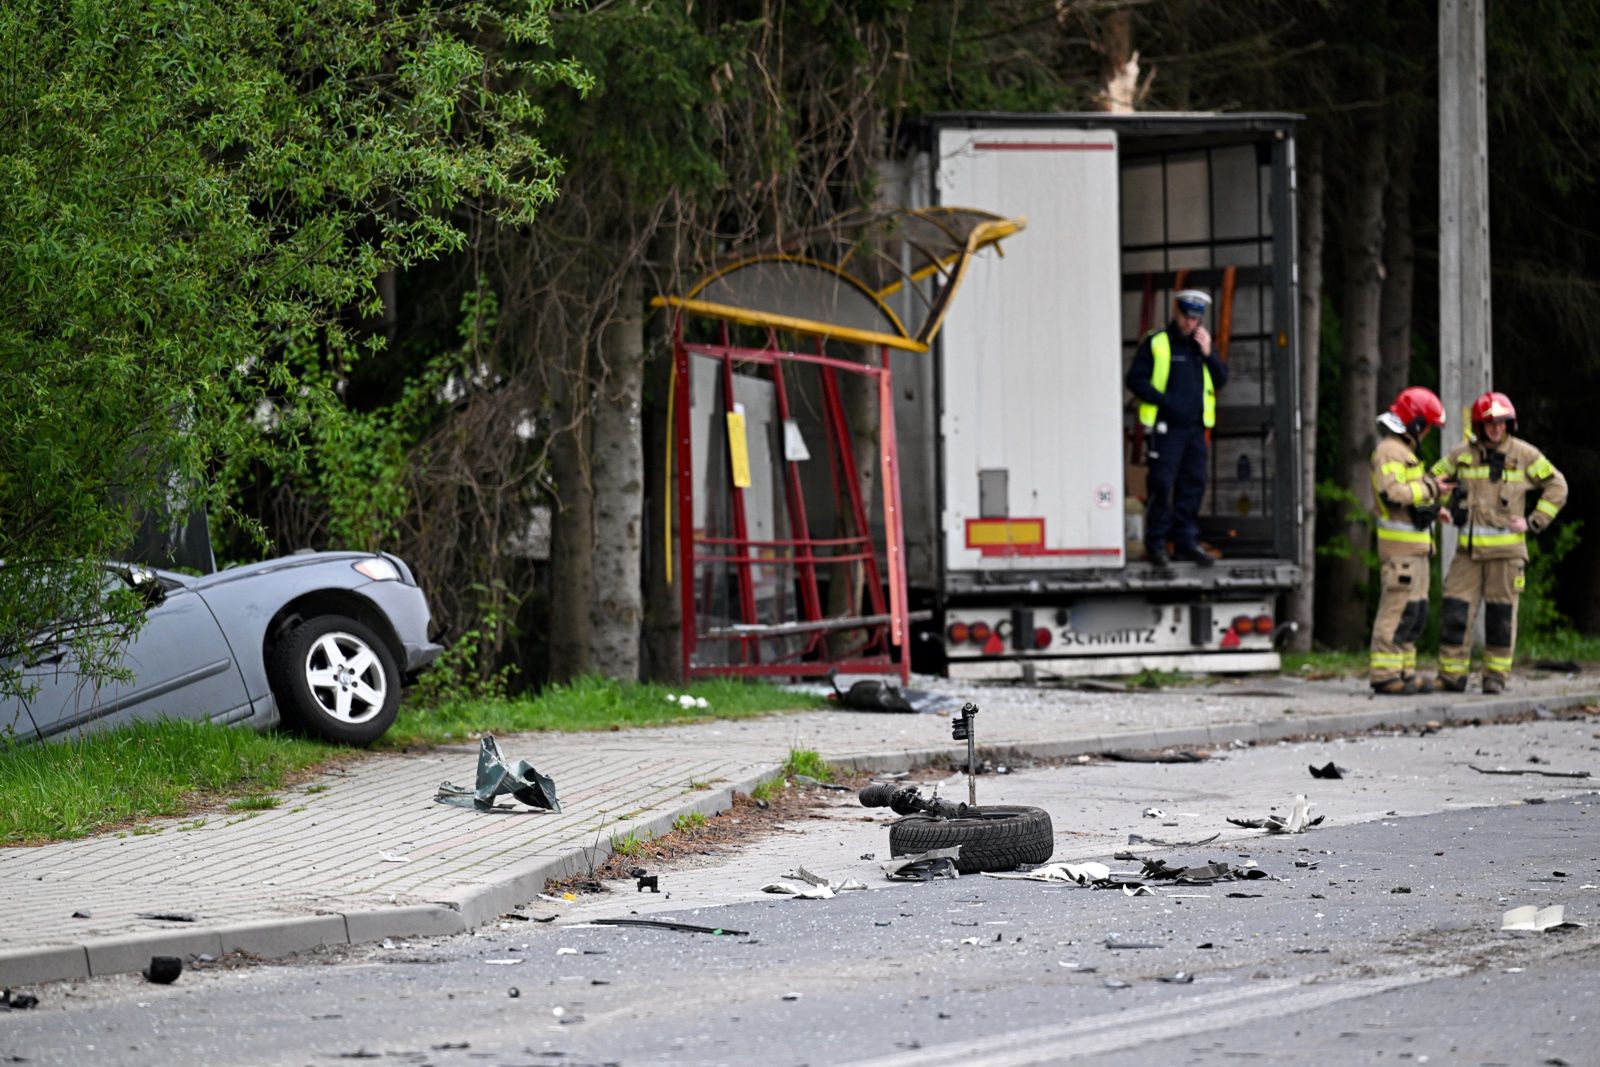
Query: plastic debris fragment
point(924, 866)
point(1297, 822)
point(163, 970)
point(1537, 919)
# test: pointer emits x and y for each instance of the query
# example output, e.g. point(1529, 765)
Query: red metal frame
point(884, 624)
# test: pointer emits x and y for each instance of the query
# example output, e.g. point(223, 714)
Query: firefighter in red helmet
point(1406, 498)
point(1496, 474)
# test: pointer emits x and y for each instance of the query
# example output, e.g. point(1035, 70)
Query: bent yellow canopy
point(837, 282)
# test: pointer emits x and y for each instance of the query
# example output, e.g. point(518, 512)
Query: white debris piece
point(1532, 917)
point(1079, 873)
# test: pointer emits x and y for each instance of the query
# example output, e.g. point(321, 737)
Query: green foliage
point(628, 844)
point(254, 802)
point(72, 788)
point(1315, 665)
point(464, 673)
point(590, 703)
point(765, 791)
point(199, 197)
point(1150, 678)
point(808, 762)
point(1537, 614)
point(1342, 501)
point(1560, 645)
point(689, 822)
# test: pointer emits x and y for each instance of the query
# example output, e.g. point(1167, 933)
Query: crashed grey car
point(320, 641)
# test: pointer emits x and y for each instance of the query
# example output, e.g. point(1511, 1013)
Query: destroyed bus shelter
point(789, 536)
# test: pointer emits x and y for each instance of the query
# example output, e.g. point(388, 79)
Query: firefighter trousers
point(1496, 583)
point(1402, 613)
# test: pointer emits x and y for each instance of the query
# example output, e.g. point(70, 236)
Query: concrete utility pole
point(1466, 358)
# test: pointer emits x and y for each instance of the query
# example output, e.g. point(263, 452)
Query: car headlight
point(378, 569)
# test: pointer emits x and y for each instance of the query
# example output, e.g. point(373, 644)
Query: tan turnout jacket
point(1400, 483)
point(1492, 501)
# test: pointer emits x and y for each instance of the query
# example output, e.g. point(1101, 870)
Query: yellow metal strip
point(666, 497)
point(738, 451)
point(811, 327)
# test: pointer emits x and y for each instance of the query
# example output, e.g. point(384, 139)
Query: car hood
point(290, 562)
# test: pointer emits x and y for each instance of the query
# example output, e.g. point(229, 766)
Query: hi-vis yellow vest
point(1161, 356)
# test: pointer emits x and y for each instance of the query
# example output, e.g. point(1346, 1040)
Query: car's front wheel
point(335, 679)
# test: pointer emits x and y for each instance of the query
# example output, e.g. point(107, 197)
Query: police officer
point(1406, 498)
point(1176, 376)
point(1495, 473)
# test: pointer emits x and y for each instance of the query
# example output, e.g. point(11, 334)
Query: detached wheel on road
point(995, 837)
point(335, 679)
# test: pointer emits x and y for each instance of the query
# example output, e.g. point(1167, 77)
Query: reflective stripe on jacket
point(1491, 503)
point(1401, 483)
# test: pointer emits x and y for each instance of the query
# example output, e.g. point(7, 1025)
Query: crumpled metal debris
point(1537, 919)
point(811, 886)
point(495, 777)
point(1158, 870)
point(1295, 823)
point(17, 1001)
point(1140, 839)
point(924, 866)
point(1076, 873)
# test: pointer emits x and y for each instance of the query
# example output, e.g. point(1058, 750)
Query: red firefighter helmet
point(1493, 406)
point(1418, 409)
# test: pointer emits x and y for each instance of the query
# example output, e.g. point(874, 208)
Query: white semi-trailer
point(1021, 473)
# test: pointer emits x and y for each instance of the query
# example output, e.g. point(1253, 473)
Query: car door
point(180, 667)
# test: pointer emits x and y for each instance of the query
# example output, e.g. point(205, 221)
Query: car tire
point(335, 679)
point(994, 837)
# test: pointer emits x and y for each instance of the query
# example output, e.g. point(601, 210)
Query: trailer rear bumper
point(1030, 668)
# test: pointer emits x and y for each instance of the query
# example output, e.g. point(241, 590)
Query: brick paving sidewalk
point(312, 871)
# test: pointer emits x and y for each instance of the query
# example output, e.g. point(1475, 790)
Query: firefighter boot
point(1395, 687)
point(1452, 683)
point(1424, 685)
point(1493, 683)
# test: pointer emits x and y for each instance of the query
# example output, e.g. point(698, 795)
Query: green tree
point(199, 197)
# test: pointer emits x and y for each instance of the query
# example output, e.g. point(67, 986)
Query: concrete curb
point(521, 882)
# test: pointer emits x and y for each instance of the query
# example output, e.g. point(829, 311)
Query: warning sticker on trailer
point(1021, 537)
point(1104, 495)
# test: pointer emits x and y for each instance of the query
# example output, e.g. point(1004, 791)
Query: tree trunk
point(571, 535)
point(617, 469)
point(1302, 599)
point(1363, 295)
point(663, 612)
point(1400, 271)
point(1119, 69)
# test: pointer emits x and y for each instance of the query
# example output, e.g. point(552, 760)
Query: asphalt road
point(1383, 945)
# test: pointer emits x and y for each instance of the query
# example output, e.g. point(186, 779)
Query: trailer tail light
point(1243, 625)
point(1042, 637)
point(1263, 624)
point(958, 633)
point(980, 633)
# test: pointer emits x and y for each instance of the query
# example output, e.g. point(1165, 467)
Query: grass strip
point(594, 704)
point(79, 786)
